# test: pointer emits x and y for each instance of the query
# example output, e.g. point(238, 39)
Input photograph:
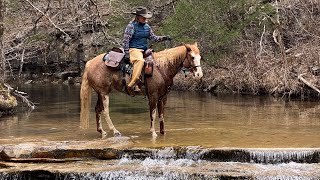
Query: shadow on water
point(130, 110)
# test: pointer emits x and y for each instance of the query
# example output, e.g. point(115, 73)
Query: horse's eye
point(192, 57)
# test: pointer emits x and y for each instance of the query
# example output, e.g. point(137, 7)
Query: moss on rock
point(7, 101)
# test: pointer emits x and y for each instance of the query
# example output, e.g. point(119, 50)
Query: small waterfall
point(178, 163)
point(284, 156)
point(266, 156)
point(280, 177)
point(165, 153)
point(125, 175)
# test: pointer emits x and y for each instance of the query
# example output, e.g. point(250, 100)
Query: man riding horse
point(135, 43)
point(104, 79)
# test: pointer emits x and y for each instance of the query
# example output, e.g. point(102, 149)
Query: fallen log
point(308, 83)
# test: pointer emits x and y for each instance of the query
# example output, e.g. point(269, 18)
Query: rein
point(180, 68)
point(168, 44)
point(188, 69)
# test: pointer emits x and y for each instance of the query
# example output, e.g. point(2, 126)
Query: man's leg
point(136, 58)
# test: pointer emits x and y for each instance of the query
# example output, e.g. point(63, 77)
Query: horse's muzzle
point(197, 74)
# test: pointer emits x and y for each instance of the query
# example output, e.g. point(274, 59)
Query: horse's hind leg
point(99, 108)
point(107, 116)
point(161, 105)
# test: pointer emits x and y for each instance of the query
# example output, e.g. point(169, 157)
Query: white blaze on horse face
point(196, 60)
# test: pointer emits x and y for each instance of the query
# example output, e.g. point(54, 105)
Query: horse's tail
point(85, 97)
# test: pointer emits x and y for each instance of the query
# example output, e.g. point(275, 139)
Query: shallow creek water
point(207, 137)
point(191, 119)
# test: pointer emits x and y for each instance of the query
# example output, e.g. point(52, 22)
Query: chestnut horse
point(102, 79)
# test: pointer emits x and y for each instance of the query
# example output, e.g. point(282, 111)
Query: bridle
point(190, 67)
point(182, 67)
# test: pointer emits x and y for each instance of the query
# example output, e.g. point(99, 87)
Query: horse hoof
point(104, 135)
point(162, 132)
point(154, 134)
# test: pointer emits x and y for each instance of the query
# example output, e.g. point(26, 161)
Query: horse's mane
point(170, 56)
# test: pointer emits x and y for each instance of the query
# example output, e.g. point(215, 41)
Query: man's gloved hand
point(126, 57)
point(166, 38)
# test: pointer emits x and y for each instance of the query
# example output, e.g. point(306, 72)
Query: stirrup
point(137, 89)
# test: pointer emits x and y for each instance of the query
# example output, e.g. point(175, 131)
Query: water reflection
point(191, 119)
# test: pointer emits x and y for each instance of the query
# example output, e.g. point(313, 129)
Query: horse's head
point(192, 61)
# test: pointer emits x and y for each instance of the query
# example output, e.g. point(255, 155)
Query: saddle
point(114, 60)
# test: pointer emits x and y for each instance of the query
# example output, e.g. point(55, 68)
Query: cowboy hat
point(142, 11)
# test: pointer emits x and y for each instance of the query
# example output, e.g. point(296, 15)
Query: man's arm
point(127, 37)
point(155, 37)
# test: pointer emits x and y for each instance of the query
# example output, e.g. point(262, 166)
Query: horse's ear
point(188, 47)
point(195, 44)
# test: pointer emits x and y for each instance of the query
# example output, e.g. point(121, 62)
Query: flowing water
point(207, 137)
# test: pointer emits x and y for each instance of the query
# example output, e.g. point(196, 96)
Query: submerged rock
point(42, 151)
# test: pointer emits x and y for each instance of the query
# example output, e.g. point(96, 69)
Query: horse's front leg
point(153, 113)
point(107, 116)
point(99, 109)
point(162, 102)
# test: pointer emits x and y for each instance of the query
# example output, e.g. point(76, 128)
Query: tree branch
point(308, 83)
point(49, 19)
point(21, 62)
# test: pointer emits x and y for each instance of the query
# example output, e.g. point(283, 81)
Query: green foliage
point(216, 24)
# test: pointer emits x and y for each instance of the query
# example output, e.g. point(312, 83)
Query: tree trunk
point(7, 101)
point(2, 60)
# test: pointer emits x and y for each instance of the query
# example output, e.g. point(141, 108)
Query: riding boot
point(130, 91)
